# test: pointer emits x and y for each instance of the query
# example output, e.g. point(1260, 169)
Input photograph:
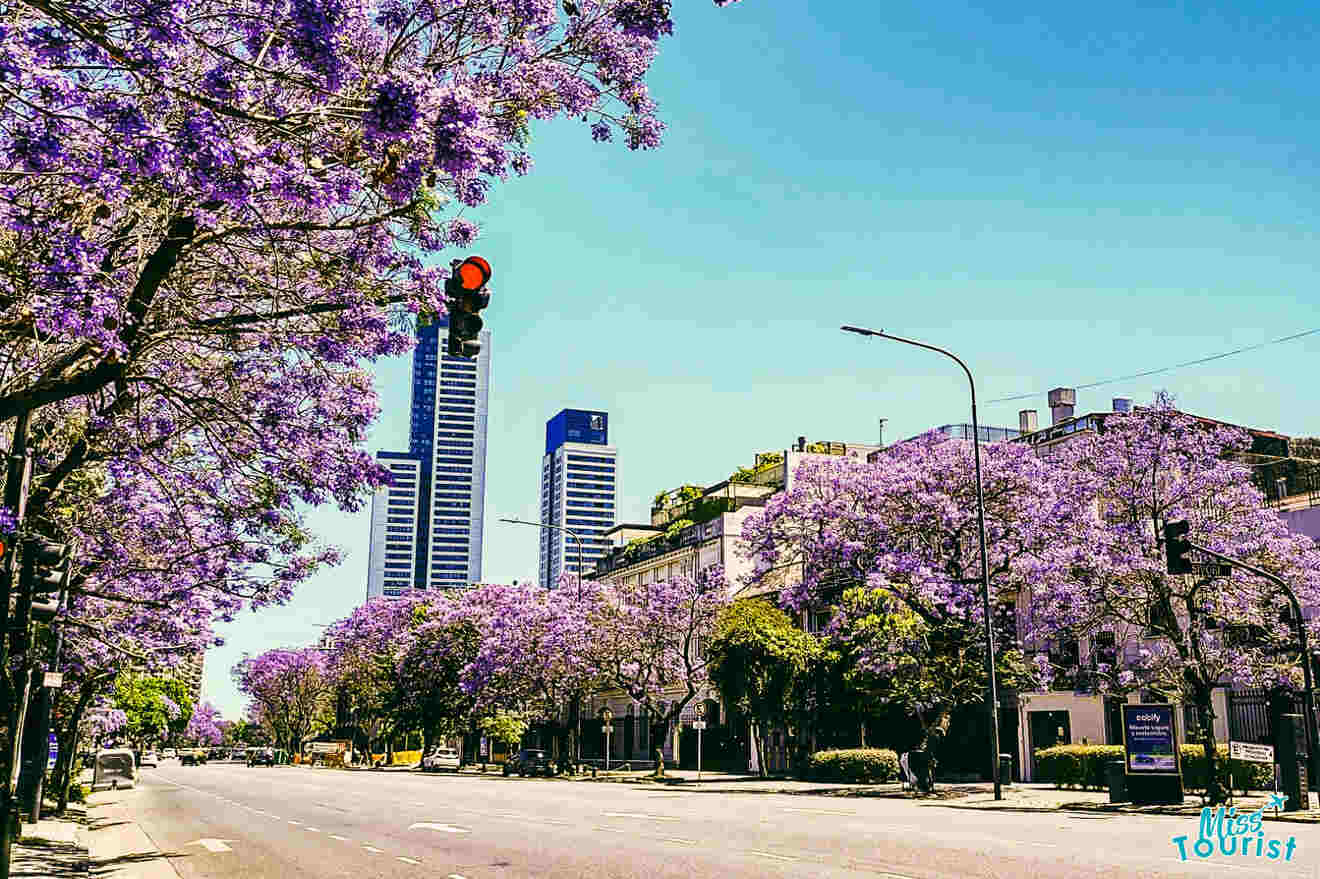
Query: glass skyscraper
point(426, 528)
point(578, 482)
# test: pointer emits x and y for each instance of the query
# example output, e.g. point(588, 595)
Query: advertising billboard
point(1150, 742)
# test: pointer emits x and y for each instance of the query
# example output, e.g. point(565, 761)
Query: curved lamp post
point(607, 721)
point(985, 569)
point(569, 531)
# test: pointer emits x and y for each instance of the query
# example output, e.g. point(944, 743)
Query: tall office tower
point(426, 529)
point(578, 481)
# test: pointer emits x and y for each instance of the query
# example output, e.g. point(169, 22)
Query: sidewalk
point(98, 839)
point(53, 848)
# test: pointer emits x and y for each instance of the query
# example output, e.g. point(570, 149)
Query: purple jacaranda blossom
point(1181, 635)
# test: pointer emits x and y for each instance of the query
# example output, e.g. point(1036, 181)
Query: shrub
point(865, 765)
point(1246, 776)
point(77, 793)
point(1071, 766)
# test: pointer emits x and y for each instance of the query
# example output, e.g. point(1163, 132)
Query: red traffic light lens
point(473, 273)
point(2, 549)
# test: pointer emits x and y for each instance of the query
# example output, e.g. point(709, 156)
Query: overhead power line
point(1163, 369)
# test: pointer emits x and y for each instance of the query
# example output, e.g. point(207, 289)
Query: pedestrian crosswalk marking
point(373, 849)
point(407, 860)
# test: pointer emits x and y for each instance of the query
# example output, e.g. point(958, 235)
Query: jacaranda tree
point(904, 530)
point(291, 691)
point(1181, 635)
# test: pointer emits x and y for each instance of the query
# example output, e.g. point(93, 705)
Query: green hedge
point(1084, 765)
point(1073, 765)
point(866, 765)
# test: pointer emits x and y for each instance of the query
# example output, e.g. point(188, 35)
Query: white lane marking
point(752, 851)
point(276, 817)
point(312, 829)
point(680, 840)
point(291, 821)
point(455, 876)
point(340, 838)
point(640, 815)
point(1042, 844)
point(407, 860)
point(373, 849)
point(610, 829)
point(818, 811)
point(212, 845)
point(418, 803)
point(443, 828)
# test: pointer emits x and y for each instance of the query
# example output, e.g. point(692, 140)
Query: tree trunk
point(862, 727)
point(1205, 712)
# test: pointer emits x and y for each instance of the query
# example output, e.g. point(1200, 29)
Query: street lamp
point(607, 726)
point(570, 532)
point(985, 569)
point(576, 706)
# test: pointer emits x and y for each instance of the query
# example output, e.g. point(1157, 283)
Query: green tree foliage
point(156, 707)
point(759, 660)
point(505, 727)
point(928, 668)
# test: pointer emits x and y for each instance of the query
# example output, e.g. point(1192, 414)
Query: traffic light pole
point(985, 561)
point(1308, 695)
point(15, 500)
point(46, 695)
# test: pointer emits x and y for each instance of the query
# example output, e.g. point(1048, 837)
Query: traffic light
point(464, 292)
point(1176, 547)
point(45, 565)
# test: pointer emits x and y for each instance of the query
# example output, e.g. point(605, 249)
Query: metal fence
point(1251, 716)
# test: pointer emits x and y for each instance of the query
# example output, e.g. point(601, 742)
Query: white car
point(149, 758)
point(441, 759)
point(168, 754)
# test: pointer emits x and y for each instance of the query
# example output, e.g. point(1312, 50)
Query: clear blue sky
point(1058, 194)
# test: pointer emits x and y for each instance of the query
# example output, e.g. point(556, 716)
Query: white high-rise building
point(578, 482)
point(394, 514)
point(447, 450)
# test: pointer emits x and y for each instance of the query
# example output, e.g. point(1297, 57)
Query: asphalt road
point(227, 821)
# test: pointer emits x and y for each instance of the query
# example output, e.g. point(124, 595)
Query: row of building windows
point(395, 530)
point(399, 520)
point(590, 459)
point(584, 470)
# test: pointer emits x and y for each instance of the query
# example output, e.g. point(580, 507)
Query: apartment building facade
point(579, 483)
point(427, 529)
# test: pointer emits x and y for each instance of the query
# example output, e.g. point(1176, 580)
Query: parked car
point(238, 755)
point(192, 757)
point(441, 759)
point(149, 758)
point(261, 757)
point(169, 754)
point(529, 761)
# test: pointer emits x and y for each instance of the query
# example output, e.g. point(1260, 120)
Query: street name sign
point(698, 724)
point(1251, 752)
point(1211, 570)
point(53, 679)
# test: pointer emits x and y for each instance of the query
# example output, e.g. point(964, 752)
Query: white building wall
point(588, 522)
point(396, 539)
point(472, 486)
